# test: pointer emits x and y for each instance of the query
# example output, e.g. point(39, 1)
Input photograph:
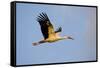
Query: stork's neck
point(59, 37)
point(62, 38)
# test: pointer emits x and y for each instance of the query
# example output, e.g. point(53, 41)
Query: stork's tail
point(37, 43)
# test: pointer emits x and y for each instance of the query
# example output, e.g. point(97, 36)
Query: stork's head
point(68, 37)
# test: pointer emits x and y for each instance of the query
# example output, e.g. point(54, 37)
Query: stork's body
point(48, 31)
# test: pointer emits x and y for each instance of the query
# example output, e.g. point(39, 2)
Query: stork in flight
point(47, 30)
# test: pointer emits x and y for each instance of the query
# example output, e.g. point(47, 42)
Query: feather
point(58, 30)
point(45, 24)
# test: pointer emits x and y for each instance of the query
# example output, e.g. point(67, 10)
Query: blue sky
point(78, 22)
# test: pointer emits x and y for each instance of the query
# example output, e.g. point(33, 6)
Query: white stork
point(48, 31)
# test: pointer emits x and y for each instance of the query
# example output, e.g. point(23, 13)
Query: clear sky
point(78, 22)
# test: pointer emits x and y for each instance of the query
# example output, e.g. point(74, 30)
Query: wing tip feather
point(42, 17)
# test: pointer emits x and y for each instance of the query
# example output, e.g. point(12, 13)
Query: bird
point(50, 35)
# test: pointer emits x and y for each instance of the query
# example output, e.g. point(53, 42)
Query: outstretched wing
point(45, 24)
point(58, 30)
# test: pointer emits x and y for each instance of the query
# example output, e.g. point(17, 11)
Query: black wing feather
point(58, 30)
point(44, 24)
